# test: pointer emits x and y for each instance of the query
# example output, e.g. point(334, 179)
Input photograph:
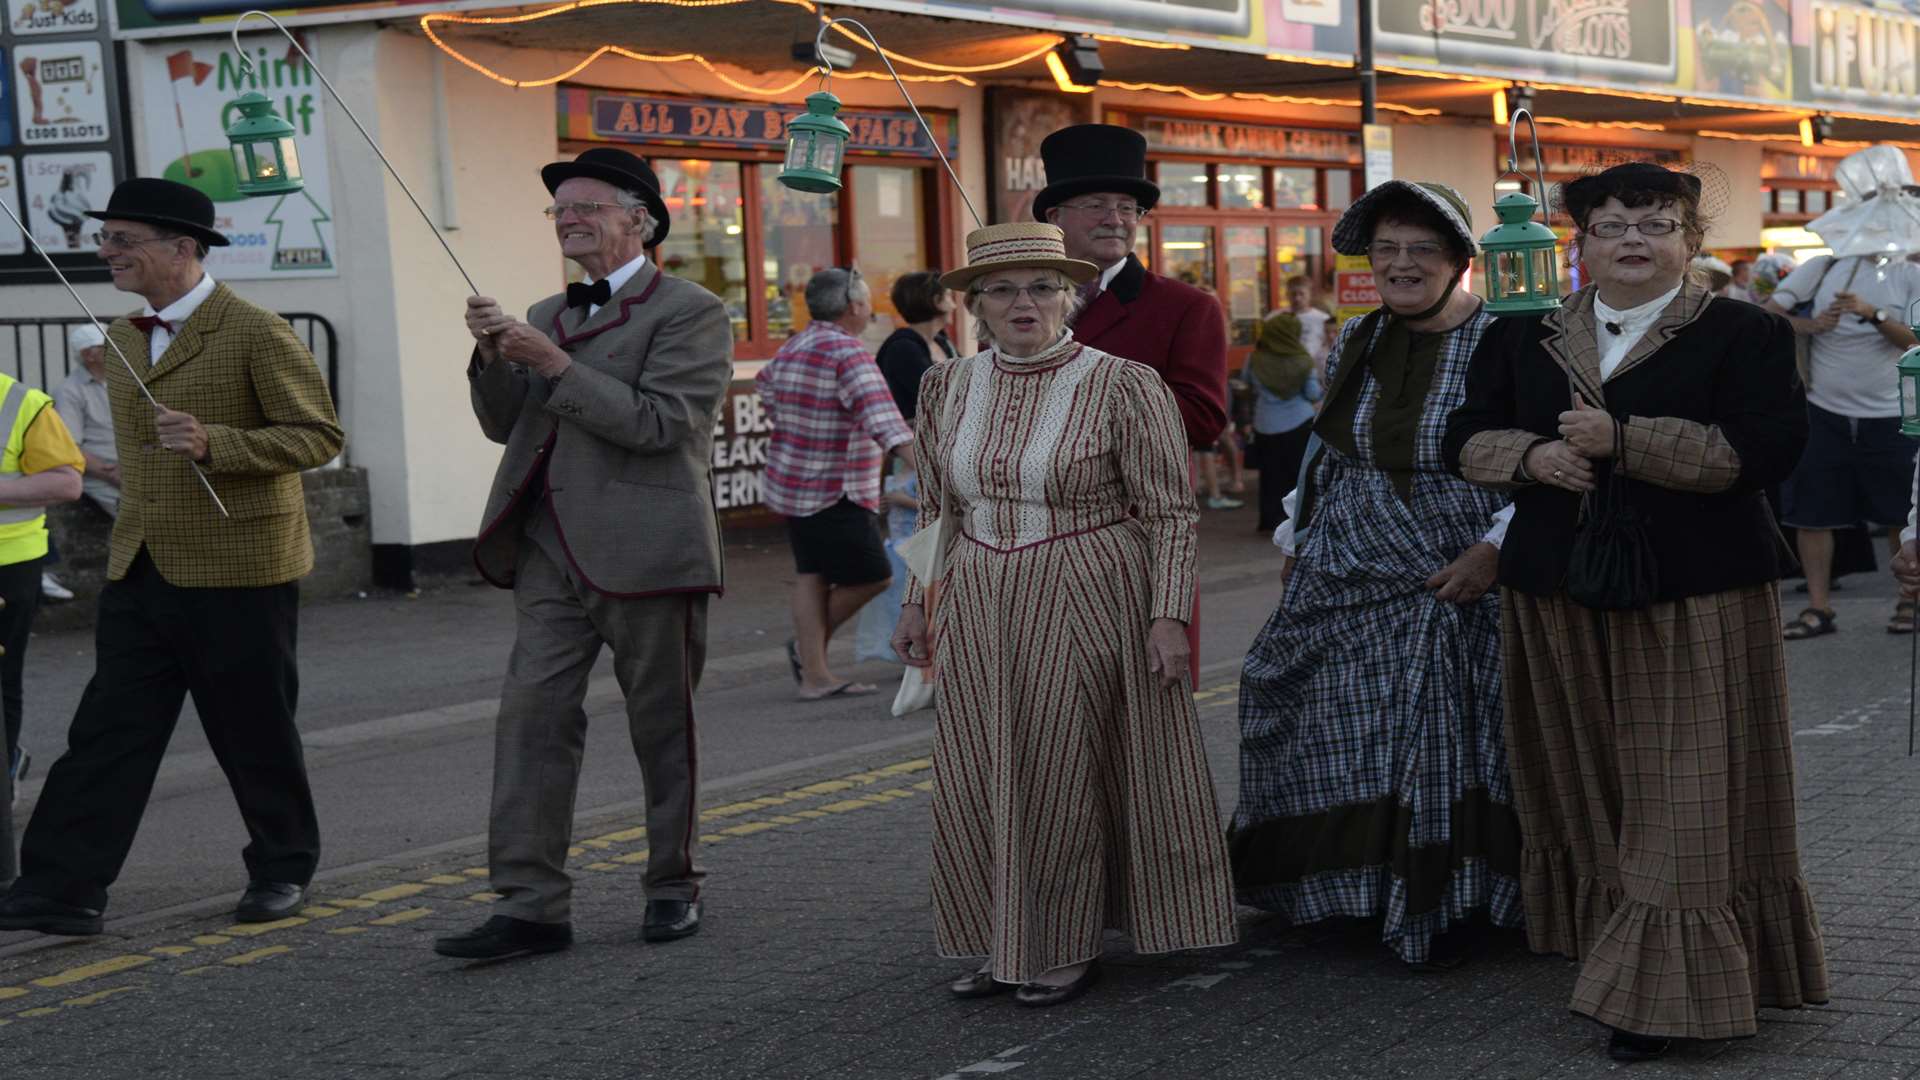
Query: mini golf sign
point(188, 88)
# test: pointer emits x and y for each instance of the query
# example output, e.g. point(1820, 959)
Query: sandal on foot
point(1812, 622)
point(1901, 621)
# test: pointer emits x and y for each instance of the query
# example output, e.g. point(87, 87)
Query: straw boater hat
point(1017, 246)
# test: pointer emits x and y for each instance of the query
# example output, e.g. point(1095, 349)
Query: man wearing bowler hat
point(197, 602)
point(602, 523)
point(1097, 193)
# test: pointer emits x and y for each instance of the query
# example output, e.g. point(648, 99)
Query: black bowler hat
point(626, 171)
point(165, 203)
point(1094, 157)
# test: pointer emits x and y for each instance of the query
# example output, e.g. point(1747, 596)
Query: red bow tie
point(146, 323)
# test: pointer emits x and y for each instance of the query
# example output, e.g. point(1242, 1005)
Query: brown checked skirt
point(1652, 768)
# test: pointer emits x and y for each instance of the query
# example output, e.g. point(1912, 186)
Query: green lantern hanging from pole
point(816, 144)
point(264, 159)
point(1523, 271)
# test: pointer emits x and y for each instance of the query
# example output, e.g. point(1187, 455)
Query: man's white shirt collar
point(176, 314)
point(618, 279)
point(1111, 272)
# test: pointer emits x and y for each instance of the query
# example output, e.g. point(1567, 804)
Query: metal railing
point(35, 350)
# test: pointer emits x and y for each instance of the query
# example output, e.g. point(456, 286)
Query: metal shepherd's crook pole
point(138, 382)
point(247, 65)
point(819, 39)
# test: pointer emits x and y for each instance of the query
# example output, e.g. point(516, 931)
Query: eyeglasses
point(126, 240)
point(1127, 211)
point(1386, 252)
point(580, 209)
point(1004, 292)
point(1614, 230)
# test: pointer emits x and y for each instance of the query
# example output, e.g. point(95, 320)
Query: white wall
point(1738, 223)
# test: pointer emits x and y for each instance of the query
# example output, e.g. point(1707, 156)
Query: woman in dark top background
point(925, 306)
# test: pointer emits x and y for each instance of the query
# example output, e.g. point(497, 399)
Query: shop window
point(1186, 253)
point(1815, 201)
point(707, 244)
point(798, 234)
point(1339, 189)
point(1787, 200)
point(1242, 186)
point(1183, 184)
point(1296, 189)
point(1247, 278)
point(1297, 253)
point(889, 224)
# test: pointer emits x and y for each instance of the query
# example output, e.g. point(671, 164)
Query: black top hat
point(624, 170)
point(1094, 157)
point(165, 203)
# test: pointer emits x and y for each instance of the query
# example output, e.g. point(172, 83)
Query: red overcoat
point(1173, 328)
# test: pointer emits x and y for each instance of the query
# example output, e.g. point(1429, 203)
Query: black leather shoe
point(503, 936)
point(1040, 995)
point(977, 984)
point(670, 920)
point(25, 911)
point(270, 901)
point(1626, 1046)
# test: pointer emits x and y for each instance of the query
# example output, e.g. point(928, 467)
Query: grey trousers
point(659, 647)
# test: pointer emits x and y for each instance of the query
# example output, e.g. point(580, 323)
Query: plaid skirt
point(1652, 768)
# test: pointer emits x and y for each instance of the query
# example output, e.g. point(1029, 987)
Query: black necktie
point(580, 294)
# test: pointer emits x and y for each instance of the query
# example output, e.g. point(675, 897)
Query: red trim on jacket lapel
point(567, 341)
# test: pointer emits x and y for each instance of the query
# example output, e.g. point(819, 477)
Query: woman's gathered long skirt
point(1653, 773)
point(1073, 794)
point(1373, 774)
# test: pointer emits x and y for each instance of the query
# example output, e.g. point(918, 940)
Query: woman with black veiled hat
point(1651, 755)
point(1373, 779)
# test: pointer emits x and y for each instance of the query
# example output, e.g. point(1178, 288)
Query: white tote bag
point(925, 553)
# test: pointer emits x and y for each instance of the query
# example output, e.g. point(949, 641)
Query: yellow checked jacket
point(240, 371)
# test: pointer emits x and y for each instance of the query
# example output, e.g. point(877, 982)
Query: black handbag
point(1612, 566)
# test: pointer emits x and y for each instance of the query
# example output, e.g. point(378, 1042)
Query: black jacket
point(1710, 375)
point(903, 358)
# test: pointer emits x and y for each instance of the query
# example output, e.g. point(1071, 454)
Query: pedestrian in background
point(1651, 750)
point(196, 602)
point(1314, 320)
point(1373, 773)
point(1857, 463)
point(39, 467)
point(1286, 386)
point(926, 307)
point(1072, 793)
point(834, 421)
point(82, 401)
point(1740, 281)
point(601, 521)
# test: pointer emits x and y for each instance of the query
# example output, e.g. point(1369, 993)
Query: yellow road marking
point(399, 917)
point(447, 879)
point(9, 992)
point(631, 858)
point(93, 971)
point(256, 929)
point(784, 819)
point(171, 950)
point(356, 905)
point(485, 896)
point(476, 871)
point(97, 997)
point(201, 970)
point(624, 835)
point(44, 1010)
point(348, 930)
point(748, 828)
point(809, 813)
point(602, 866)
point(256, 955)
point(395, 892)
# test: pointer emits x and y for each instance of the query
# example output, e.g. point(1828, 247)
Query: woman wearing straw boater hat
point(1373, 775)
point(1098, 193)
point(1073, 794)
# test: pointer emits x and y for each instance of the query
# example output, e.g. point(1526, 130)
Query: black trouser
point(1279, 464)
point(19, 598)
point(233, 650)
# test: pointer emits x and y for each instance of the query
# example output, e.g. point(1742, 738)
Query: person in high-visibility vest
point(39, 467)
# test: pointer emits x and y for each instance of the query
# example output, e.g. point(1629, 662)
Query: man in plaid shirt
point(833, 423)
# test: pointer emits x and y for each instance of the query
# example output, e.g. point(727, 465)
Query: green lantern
point(816, 143)
point(264, 159)
point(1523, 275)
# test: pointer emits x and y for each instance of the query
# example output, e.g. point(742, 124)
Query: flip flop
point(845, 689)
point(793, 659)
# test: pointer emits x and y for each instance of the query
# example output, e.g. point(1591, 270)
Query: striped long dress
point(1072, 791)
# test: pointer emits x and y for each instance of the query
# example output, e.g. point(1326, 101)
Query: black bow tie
point(580, 294)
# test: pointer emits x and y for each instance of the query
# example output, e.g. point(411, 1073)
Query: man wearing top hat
point(1097, 193)
point(197, 602)
point(602, 522)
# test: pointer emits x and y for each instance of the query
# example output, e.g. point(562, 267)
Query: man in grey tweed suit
point(601, 521)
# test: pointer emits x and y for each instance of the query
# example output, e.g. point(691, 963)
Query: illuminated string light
point(1337, 103)
point(928, 65)
point(1062, 78)
point(1317, 61)
point(1139, 44)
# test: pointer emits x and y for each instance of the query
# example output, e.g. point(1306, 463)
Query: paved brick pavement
point(817, 958)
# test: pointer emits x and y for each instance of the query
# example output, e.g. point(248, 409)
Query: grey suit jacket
point(625, 439)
